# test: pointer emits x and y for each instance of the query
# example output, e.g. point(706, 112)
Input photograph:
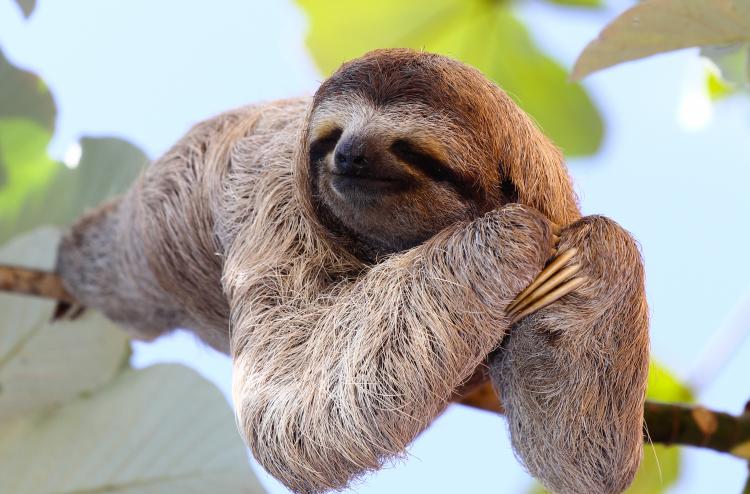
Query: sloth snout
point(353, 155)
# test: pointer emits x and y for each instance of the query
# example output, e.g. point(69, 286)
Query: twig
point(34, 282)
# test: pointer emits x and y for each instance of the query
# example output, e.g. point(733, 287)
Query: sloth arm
point(581, 364)
point(329, 384)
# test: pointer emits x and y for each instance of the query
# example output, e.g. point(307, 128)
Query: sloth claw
point(555, 281)
point(67, 311)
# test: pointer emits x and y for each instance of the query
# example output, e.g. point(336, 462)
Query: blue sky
point(146, 71)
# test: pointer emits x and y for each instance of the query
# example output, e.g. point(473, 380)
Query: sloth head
point(400, 144)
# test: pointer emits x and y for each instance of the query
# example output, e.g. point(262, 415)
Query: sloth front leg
point(572, 375)
point(330, 385)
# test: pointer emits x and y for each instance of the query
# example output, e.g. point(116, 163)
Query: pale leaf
point(657, 26)
point(42, 364)
point(161, 430)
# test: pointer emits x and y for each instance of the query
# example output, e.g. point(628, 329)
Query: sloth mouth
point(363, 178)
point(346, 182)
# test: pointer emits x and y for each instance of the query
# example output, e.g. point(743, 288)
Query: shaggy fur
point(351, 321)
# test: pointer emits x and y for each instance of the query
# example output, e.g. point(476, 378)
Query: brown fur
point(351, 322)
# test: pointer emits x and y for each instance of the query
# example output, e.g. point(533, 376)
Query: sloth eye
point(324, 144)
point(431, 166)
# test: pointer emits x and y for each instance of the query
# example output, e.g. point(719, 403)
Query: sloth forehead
point(356, 112)
point(399, 75)
point(411, 87)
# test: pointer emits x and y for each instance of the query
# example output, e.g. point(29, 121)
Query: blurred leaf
point(27, 6)
point(664, 386)
point(107, 167)
point(659, 470)
point(717, 88)
point(733, 62)
point(536, 488)
point(36, 190)
point(578, 3)
point(480, 33)
point(25, 165)
point(42, 364)
point(656, 26)
point(163, 429)
point(24, 95)
point(27, 118)
point(660, 467)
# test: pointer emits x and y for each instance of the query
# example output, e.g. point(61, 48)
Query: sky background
point(673, 170)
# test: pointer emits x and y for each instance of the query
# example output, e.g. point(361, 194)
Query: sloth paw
point(554, 282)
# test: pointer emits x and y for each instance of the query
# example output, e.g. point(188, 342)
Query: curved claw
point(554, 282)
point(546, 274)
point(558, 279)
point(552, 296)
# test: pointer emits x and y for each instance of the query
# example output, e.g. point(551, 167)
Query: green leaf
point(163, 429)
point(107, 167)
point(25, 165)
point(43, 364)
point(24, 95)
point(27, 120)
point(657, 26)
point(660, 467)
point(483, 34)
point(27, 6)
point(664, 386)
point(537, 488)
point(733, 62)
point(36, 190)
point(717, 88)
point(578, 3)
point(659, 470)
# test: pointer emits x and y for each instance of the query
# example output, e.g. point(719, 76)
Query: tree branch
point(34, 282)
point(664, 423)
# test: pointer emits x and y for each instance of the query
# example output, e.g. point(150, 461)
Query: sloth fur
point(351, 320)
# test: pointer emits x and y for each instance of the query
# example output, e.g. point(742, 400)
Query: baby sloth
point(357, 254)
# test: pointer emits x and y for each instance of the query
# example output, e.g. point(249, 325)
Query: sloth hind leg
point(571, 376)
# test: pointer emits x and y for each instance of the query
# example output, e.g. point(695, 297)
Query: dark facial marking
point(434, 168)
point(324, 145)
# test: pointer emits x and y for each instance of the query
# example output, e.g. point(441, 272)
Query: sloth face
point(396, 154)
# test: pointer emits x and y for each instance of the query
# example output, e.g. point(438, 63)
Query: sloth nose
point(351, 156)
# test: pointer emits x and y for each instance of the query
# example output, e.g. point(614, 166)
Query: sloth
point(360, 255)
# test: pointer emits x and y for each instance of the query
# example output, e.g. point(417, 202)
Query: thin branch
point(700, 427)
point(667, 423)
point(477, 392)
point(34, 282)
